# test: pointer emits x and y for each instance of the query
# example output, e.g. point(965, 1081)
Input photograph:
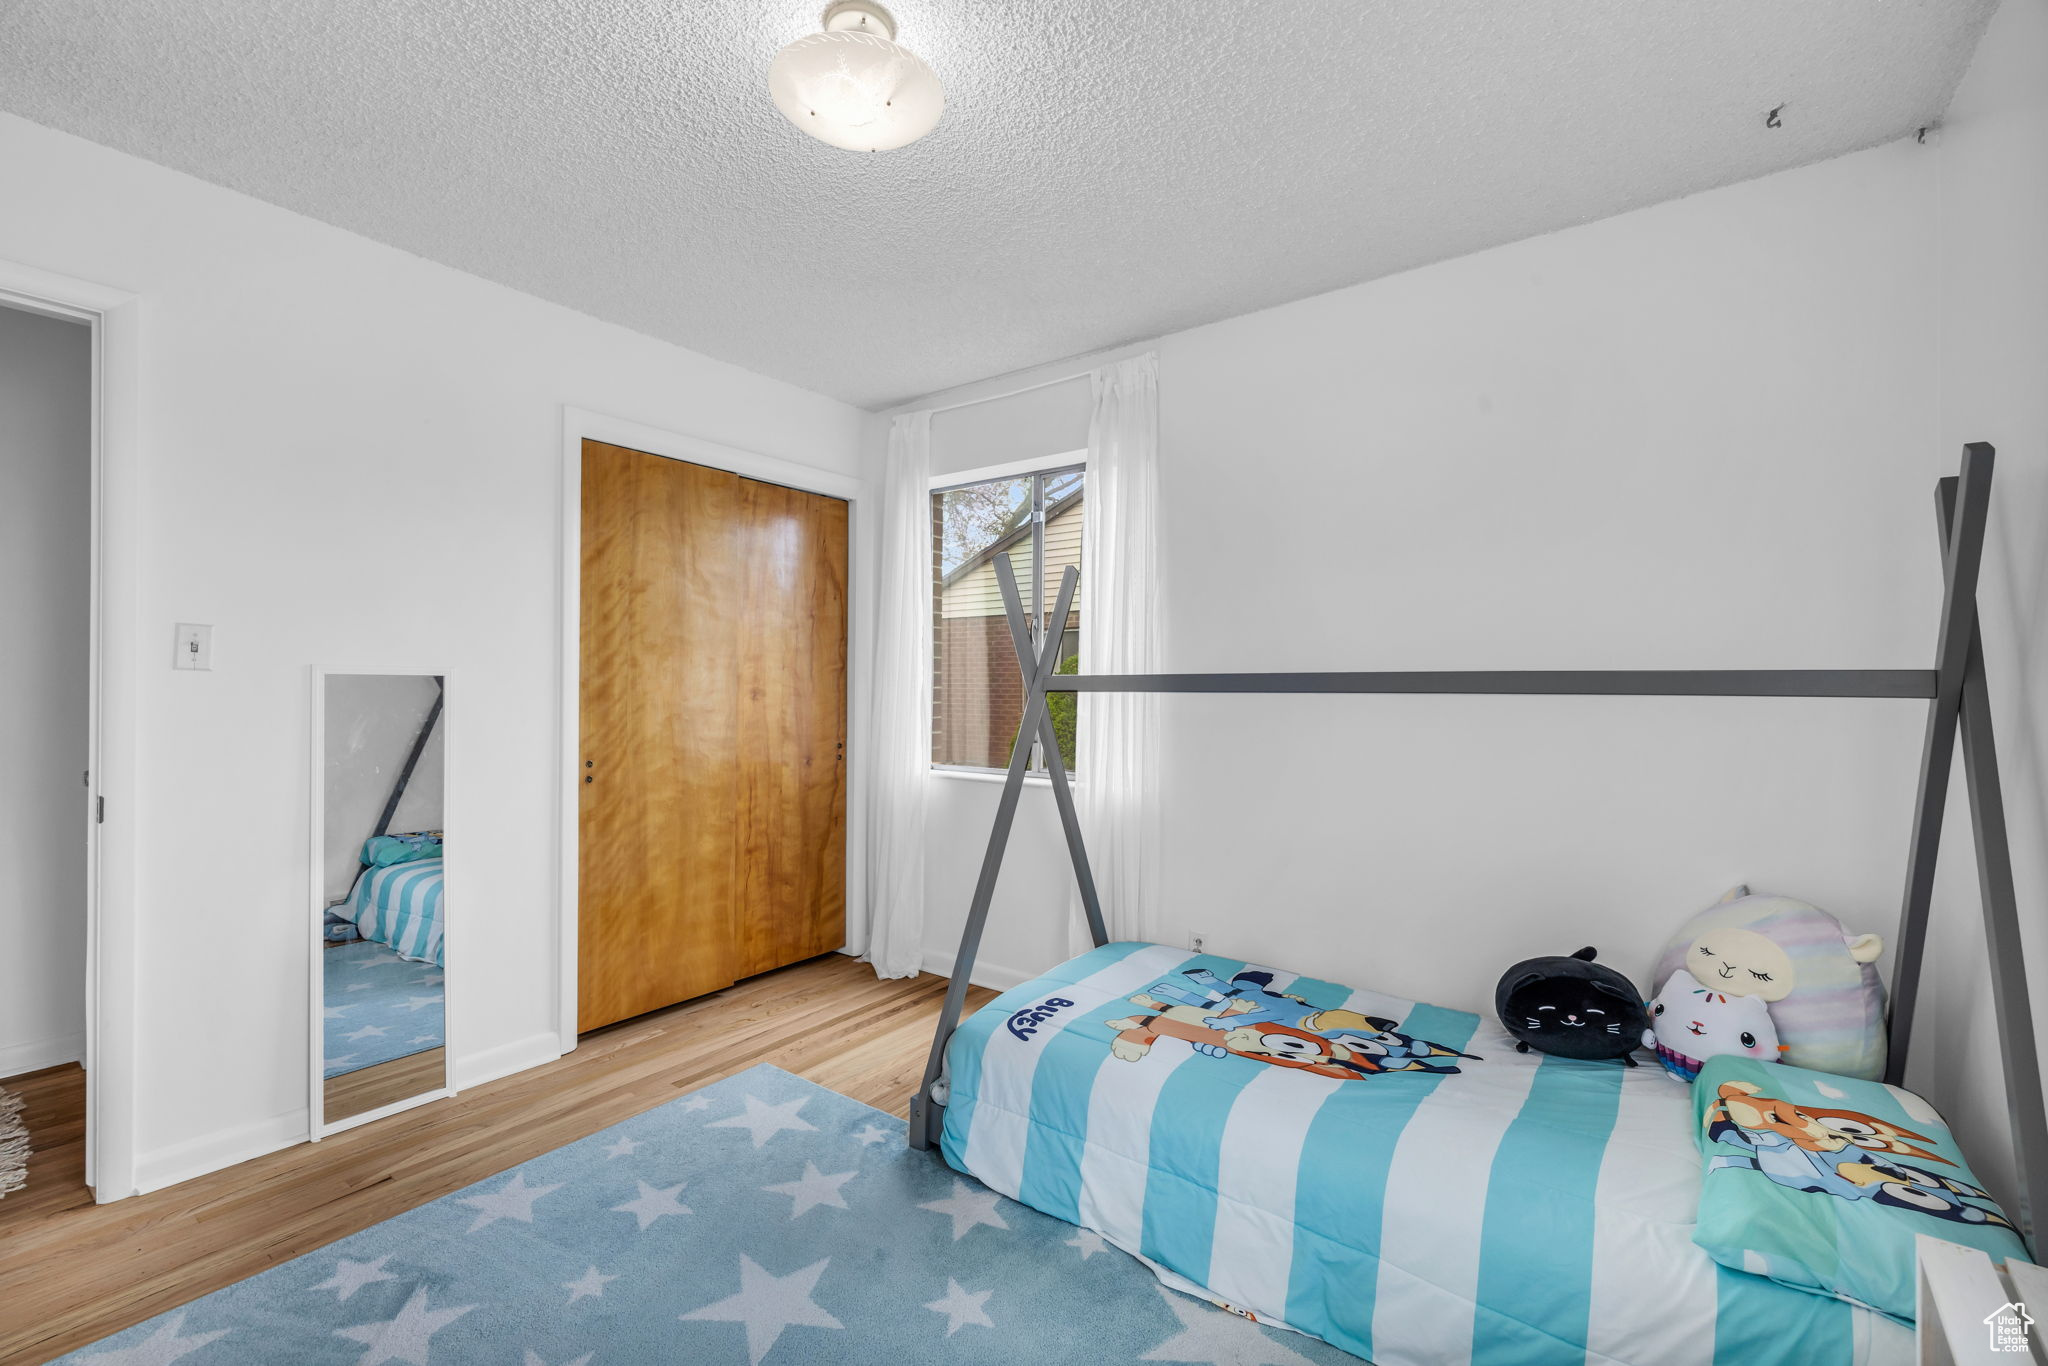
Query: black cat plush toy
point(1572, 1007)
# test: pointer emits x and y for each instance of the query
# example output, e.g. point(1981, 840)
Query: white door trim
point(115, 652)
point(578, 425)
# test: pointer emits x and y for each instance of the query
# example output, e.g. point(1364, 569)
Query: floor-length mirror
point(381, 906)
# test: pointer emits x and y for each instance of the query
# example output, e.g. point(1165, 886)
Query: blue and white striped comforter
point(401, 906)
point(1523, 1209)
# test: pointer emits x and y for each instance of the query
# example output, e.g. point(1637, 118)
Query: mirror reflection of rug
point(378, 1006)
point(762, 1220)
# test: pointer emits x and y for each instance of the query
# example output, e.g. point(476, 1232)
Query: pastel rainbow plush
point(1819, 981)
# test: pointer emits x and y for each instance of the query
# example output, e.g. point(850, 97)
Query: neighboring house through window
point(1034, 517)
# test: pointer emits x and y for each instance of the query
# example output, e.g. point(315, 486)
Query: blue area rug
point(763, 1220)
point(379, 1006)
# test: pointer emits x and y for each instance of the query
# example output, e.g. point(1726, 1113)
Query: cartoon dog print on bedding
point(1246, 1018)
point(1836, 1152)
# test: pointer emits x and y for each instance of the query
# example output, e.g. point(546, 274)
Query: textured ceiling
point(1104, 172)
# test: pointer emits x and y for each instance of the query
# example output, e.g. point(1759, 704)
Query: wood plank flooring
point(55, 1113)
point(381, 1084)
point(69, 1276)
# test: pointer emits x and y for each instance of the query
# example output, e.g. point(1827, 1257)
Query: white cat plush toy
point(1689, 1024)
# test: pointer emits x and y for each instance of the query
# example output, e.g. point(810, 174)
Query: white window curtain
point(1117, 734)
point(900, 738)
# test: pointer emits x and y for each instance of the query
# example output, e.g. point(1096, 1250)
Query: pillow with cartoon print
point(1821, 1182)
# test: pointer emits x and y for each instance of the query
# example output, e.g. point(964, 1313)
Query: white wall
point(1699, 435)
point(45, 599)
point(1993, 270)
point(373, 721)
point(353, 457)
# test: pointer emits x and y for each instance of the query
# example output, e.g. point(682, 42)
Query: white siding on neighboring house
point(975, 594)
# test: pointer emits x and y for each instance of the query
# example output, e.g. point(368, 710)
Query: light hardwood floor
point(55, 1112)
point(385, 1083)
point(73, 1273)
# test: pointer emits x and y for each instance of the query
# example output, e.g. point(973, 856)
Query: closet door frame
point(579, 425)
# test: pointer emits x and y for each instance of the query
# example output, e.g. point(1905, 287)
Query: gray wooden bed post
point(412, 759)
point(926, 1107)
point(1055, 762)
point(2011, 1002)
point(1962, 553)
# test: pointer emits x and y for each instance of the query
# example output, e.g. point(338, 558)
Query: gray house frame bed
point(1959, 711)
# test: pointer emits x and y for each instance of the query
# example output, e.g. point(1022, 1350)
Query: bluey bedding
point(1823, 1182)
point(1387, 1175)
point(400, 905)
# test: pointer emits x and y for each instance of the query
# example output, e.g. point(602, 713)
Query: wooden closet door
point(712, 829)
point(791, 868)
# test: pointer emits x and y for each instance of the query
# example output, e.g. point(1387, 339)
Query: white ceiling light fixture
point(852, 86)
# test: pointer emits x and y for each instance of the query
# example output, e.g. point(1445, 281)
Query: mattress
point(1387, 1175)
point(401, 906)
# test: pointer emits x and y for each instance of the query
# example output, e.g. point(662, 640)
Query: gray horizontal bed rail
point(1906, 683)
point(1959, 708)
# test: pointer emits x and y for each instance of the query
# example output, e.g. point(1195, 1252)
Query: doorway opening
point(46, 804)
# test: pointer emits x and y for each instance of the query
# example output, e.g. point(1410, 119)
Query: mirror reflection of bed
point(381, 973)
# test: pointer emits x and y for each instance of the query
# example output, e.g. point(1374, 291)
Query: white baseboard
point(16, 1059)
point(986, 974)
point(502, 1061)
point(198, 1156)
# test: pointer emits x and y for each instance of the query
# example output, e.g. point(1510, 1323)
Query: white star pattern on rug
point(366, 1032)
point(763, 1121)
point(1088, 1240)
point(652, 1204)
point(350, 1277)
point(813, 1189)
point(767, 1304)
point(960, 1308)
point(590, 1283)
point(403, 1338)
point(420, 1002)
point(741, 1276)
point(342, 1060)
point(158, 1349)
point(358, 986)
point(425, 1038)
point(334, 1012)
point(513, 1200)
point(968, 1207)
point(1210, 1336)
point(697, 1103)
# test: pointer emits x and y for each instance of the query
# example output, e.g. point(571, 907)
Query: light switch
point(195, 647)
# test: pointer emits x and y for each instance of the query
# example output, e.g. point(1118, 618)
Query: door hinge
point(102, 812)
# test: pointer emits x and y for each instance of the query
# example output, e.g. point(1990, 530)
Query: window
point(977, 689)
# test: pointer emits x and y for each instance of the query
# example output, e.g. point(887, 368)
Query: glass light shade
point(856, 90)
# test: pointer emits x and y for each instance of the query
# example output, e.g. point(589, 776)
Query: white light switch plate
point(195, 647)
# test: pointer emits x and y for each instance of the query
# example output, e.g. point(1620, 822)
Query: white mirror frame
point(317, 1126)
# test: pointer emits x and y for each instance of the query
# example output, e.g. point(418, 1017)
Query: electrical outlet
point(1196, 939)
